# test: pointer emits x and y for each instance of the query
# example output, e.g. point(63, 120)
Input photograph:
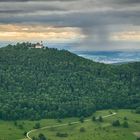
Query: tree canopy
point(40, 83)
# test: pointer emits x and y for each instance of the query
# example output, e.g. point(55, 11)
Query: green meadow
point(88, 130)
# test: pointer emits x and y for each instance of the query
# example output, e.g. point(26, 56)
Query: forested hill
point(40, 83)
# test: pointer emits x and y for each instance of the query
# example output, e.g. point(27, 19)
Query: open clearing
point(137, 134)
point(93, 130)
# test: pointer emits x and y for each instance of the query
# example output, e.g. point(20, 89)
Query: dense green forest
point(40, 83)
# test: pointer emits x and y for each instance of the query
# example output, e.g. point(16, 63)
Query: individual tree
point(125, 124)
point(125, 118)
point(138, 110)
point(20, 126)
point(34, 138)
point(100, 119)
point(82, 129)
point(37, 125)
point(15, 123)
point(59, 120)
point(42, 137)
point(81, 119)
point(24, 133)
point(61, 134)
point(93, 118)
point(116, 123)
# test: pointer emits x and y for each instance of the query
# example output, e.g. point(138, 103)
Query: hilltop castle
point(38, 45)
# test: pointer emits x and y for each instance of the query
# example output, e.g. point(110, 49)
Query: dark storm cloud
point(10, 11)
point(23, 8)
point(96, 19)
point(79, 19)
point(127, 1)
point(25, 11)
point(34, 0)
point(13, 0)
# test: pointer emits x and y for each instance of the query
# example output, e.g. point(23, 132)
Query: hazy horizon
point(104, 56)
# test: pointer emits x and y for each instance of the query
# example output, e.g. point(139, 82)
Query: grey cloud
point(88, 20)
point(10, 11)
point(118, 2)
point(127, 1)
point(79, 19)
point(22, 8)
point(35, 0)
point(13, 0)
point(95, 18)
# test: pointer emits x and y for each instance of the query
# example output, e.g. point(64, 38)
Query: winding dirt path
point(61, 125)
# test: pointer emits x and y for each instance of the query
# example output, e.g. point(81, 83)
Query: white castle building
point(39, 45)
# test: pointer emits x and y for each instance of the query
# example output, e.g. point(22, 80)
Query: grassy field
point(92, 130)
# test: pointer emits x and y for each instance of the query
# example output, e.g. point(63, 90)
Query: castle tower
point(39, 45)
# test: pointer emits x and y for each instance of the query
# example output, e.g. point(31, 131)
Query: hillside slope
point(39, 83)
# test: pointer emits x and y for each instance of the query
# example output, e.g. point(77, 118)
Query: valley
point(57, 93)
point(88, 130)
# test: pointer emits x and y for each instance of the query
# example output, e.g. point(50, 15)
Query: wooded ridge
point(51, 83)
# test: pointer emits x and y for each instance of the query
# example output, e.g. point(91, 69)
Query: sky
point(88, 24)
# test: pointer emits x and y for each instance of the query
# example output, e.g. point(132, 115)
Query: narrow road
point(60, 125)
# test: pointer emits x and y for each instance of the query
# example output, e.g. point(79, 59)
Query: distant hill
point(40, 83)
point(112, 57)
